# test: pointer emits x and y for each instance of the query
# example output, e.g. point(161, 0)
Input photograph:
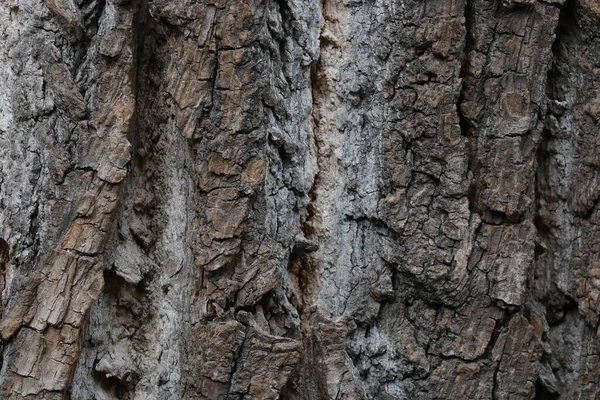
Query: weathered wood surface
point(299, 199)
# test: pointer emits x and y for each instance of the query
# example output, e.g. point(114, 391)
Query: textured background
point(299, 199)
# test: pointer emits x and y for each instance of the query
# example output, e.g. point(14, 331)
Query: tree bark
point(299, 199)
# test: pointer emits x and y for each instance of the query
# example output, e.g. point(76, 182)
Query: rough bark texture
point(299, 199)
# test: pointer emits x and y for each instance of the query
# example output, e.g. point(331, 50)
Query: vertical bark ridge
point(42, 323)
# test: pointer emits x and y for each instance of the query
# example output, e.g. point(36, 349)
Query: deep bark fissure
point(547, 155)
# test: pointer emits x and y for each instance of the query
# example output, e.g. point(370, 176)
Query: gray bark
point(299, 199)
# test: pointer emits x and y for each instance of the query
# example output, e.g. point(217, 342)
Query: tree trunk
point(299, 199)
